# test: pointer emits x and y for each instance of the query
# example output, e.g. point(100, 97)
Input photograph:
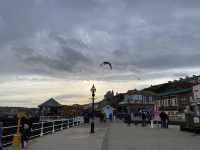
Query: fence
point(46, 118)
point(41, 128)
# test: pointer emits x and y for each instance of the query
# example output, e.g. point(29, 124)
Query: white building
point(196, 92)
point(139, 97)
point(107, 110)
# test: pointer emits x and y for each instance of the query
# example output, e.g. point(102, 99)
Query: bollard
point(42, 129)
point(61, 128)
point(53, 127)
point(73, 122)
point(68, 124)
point(152, 125)
point(77, 122)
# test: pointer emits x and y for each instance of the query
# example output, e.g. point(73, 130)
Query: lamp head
point(93, 89)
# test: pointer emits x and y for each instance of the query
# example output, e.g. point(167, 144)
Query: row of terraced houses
point(171, 97)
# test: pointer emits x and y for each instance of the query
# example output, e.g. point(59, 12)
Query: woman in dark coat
point(25, 133)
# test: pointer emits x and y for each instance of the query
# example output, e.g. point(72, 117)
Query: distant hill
point(170, 86)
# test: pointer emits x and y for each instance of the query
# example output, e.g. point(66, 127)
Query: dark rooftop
point(50, 103)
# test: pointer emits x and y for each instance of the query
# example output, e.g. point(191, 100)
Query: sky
point(54, 48)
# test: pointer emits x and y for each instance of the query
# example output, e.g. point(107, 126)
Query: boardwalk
point(121, 137)
point(77, 138)
point(117, 136)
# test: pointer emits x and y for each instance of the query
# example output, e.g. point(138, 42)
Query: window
point(169, 102)
point(175, 102)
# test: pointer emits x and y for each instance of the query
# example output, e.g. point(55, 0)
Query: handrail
point(45, 128)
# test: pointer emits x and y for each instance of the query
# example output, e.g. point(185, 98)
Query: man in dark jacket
point(163, 119)
point(144, 117)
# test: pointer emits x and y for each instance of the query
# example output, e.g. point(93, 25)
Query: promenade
point(117, 136)
point(122, 137)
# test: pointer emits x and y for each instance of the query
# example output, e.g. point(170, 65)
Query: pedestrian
point(101, 116)
point(128, 119)
point(149, 117)
point(110, 117)
point(1, 134)
point(167, 121)
point(25, 133)
point(104, 117)
point(163, 119)
point(144, 117)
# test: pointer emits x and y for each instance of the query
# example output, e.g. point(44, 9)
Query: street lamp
point(93, 90)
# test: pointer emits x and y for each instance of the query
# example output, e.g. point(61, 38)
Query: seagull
point(106, 63)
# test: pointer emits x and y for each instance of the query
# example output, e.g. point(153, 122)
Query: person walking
point(128, 119)
point(25, 133)
point(1, 134)
point(167, 121)
point(144, 117)
point(163, 119)
point(110, 117)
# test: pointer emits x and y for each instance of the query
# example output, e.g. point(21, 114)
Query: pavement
point(117, 136)
point(122, 137)
point(78, 138)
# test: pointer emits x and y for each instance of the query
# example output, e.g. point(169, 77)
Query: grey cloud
point(69, 96)
point(136, 36)
point(66, 59)
point(68, 39)
point(159, 61)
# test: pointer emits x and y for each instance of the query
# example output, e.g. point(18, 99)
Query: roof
point(187, 90)
point(50, 103)
point(102, 104)
point(106, 106)
point(146, 93)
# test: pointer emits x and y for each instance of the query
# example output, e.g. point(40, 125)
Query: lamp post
point(93, 90)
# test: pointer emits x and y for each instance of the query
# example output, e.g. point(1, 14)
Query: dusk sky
point(53, 48)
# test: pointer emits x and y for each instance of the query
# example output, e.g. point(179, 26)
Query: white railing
point(44, 127)
point(47, 118)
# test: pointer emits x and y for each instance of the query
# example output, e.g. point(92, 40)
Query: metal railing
point(41, 128)
point(46, 118)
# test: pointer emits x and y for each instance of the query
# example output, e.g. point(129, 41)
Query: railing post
point(42, 129)
point(53, 127)
point(77, 121)
point(61, 128)
point(1, 134)
point(68, 123)
point(73, 122)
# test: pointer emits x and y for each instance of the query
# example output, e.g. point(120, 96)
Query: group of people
point(148, 118)
point(101, 115)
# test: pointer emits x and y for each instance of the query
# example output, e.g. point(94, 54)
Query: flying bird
point(107, 63)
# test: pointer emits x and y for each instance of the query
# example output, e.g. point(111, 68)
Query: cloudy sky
point(53, 48)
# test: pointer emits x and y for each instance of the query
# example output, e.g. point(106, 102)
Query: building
point(107, 110)
point(71, 111)
point(140, 97)
point(49, 108)
point(196, 92)
point(135, 100)
point(12, 111)
point(109, 96)
point(174, 102)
